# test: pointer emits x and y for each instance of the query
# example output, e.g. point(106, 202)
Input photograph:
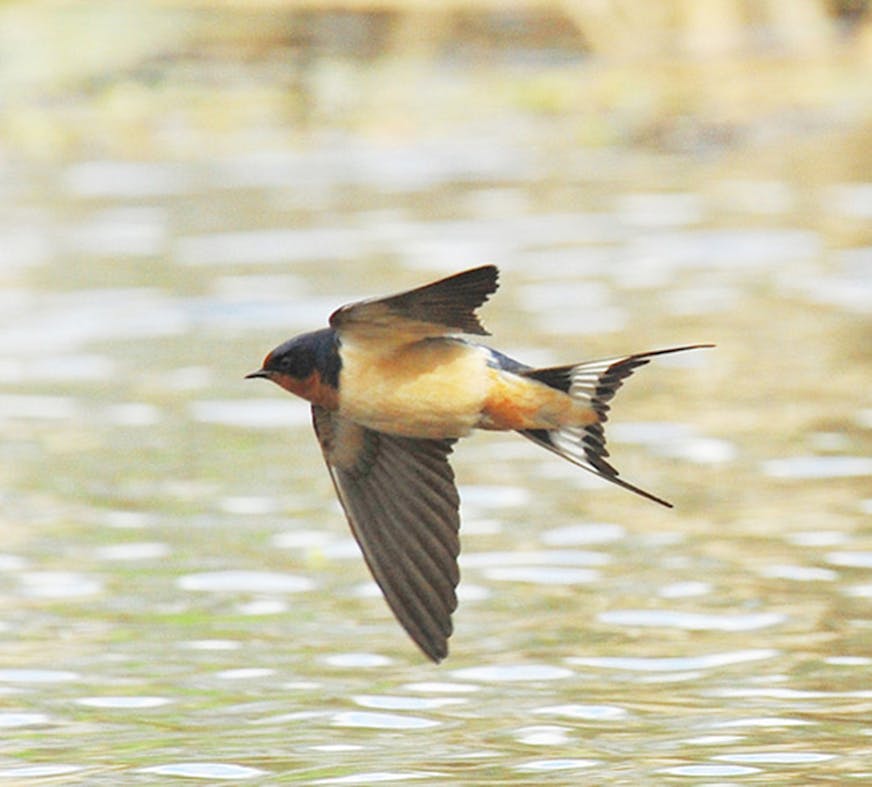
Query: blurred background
point(183, 185)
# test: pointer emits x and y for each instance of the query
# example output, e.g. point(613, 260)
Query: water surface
point(180, 598)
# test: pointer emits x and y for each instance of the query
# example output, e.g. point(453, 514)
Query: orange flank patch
point(516, 402)
point(311, 389)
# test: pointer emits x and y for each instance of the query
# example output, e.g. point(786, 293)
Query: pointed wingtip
point(436, 654)
point(441, 307)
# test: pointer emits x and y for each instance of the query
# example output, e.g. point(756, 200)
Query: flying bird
point(393, 385)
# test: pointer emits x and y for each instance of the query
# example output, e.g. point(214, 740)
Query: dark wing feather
point(401, 502)
point(444, 306)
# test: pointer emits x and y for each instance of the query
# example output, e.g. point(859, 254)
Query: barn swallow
point(393, 385)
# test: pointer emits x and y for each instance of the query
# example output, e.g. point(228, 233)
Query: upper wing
point(401, 502)
point(445, 306)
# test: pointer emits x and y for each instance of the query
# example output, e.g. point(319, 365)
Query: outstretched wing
point(442, 307)
point(401, 502)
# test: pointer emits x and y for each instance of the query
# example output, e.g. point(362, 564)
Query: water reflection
point(800, 573)
point(357, 660)
point(146, 550)
point(547, 766)
point(253, 414)
point(245, 582)
point(392, 702)
point(379, 777)
point(710, 771)
point(542, 575)
point(211, 644)
point(692, 621)
point(26, 675)
point(40, 408)
point(676, 440)
point(244, 673)
point(596, 713)
point(122, 232)
point(543, 735)
point(9, 720)
point(850, 559)
point(688, 589)
point(43, 771)
point(765, 721)
point(441, 687)
point(273, 247)
point(776, 757)
point(125, 179)
point(382, 721)
point(176, 578)
point(584, 533)
point(58, 584)
point(802, 467)
point(205, 770)
point(509, 673)
point(124, 703)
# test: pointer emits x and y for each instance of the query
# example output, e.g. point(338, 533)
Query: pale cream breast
point(433, 388)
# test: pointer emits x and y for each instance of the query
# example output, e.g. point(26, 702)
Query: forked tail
point(593, 383)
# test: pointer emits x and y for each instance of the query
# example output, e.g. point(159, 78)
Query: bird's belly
point(430, 389)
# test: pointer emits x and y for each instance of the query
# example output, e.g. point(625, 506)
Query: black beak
point(258, 373)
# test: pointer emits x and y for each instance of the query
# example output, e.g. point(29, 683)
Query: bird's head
point(294, 358)
point(303, 364)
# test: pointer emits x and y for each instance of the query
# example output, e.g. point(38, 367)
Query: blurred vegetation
point(186, 78)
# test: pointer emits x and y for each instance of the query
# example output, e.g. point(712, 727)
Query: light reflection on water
point(245, 582)
point(123, 703)
point(179, 585)
point(382, 721)
point(691, 621)
point(205, 770)
point(819, 467)
point(378, 777)
point(707, 661)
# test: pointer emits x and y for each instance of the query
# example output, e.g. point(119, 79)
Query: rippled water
point(181, 598)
